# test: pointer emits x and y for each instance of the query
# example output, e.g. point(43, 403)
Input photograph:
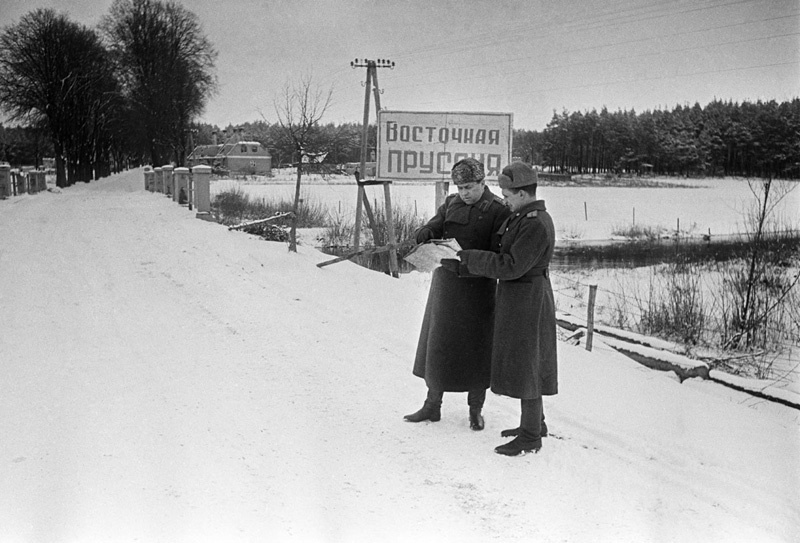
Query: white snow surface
point(165, 379)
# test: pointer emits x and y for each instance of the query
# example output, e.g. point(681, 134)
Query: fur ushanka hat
point(467, 170)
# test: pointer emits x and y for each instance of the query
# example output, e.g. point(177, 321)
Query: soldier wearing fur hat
point(455, 344)
point(524, 361)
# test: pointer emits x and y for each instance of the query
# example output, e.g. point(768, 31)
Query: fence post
point(149, 179)
point(5, 180)
point(33, 182)
point(202, 190)
point(190, 189)
point(181, 193)
point(41, 181)
point(159, 178)
point(590, 317)
point(169, 181)
point(19, 182)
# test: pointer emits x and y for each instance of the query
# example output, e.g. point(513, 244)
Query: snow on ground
point(167, 380)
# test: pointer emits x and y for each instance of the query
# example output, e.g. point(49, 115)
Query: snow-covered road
point(163, 379)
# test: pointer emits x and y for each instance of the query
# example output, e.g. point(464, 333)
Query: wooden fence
point(14, 182)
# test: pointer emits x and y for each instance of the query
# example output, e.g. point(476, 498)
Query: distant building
point(235, 155)
point(350, 168)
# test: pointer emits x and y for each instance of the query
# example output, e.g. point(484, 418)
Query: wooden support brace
point(376, 250)
point(252, 223)
point(342, 258)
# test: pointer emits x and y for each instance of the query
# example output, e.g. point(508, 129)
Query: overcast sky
point(525, 57)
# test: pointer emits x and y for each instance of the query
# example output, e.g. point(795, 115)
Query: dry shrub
point(234, 206)
point(673, 306)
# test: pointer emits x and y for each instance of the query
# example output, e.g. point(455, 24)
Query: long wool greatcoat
point(455, 344)
point(524, 362)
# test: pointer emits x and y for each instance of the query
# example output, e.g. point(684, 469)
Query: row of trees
point(126, 92)
point(760, 139)
point(768, 144)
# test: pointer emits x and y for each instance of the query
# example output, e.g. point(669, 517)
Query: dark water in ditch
point(649, 253)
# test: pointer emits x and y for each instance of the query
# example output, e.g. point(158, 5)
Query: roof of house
point(223, 149)
point(205, 150)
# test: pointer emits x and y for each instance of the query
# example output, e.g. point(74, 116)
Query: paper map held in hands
point(426, 257)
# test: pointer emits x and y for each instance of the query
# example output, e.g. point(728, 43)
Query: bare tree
point(300, 107)
point(762, 285)
point(56, 73)
point(166, 64)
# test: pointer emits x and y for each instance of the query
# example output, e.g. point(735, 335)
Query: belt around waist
point(528, 277)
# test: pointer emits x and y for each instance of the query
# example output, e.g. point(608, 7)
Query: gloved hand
point(424, 235)
point(450, 264)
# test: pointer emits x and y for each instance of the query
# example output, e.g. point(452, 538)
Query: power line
point(624, 57)
point(478, 76)
point(515, 31)
point(477, 44)
point(609, 18)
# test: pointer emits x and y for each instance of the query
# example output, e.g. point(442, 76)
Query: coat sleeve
point(529, 245)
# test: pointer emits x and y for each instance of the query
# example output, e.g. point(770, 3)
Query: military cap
point(517, 175)
point(467, 170)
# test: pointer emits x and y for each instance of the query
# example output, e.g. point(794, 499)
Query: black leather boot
point(514, 432)
point(430, 411)
point(532, 418)
point(476, 419)
point(525, 442)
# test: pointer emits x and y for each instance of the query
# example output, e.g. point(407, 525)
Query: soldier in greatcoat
point(455, 344)
point(524, 361)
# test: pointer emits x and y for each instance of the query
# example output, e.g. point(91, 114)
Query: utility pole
point(372, 85)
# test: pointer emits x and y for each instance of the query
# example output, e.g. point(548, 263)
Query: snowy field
point(165, 379)
point(587, 213)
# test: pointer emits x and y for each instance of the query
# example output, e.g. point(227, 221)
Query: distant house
point(350, 168)
point(235, 155)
